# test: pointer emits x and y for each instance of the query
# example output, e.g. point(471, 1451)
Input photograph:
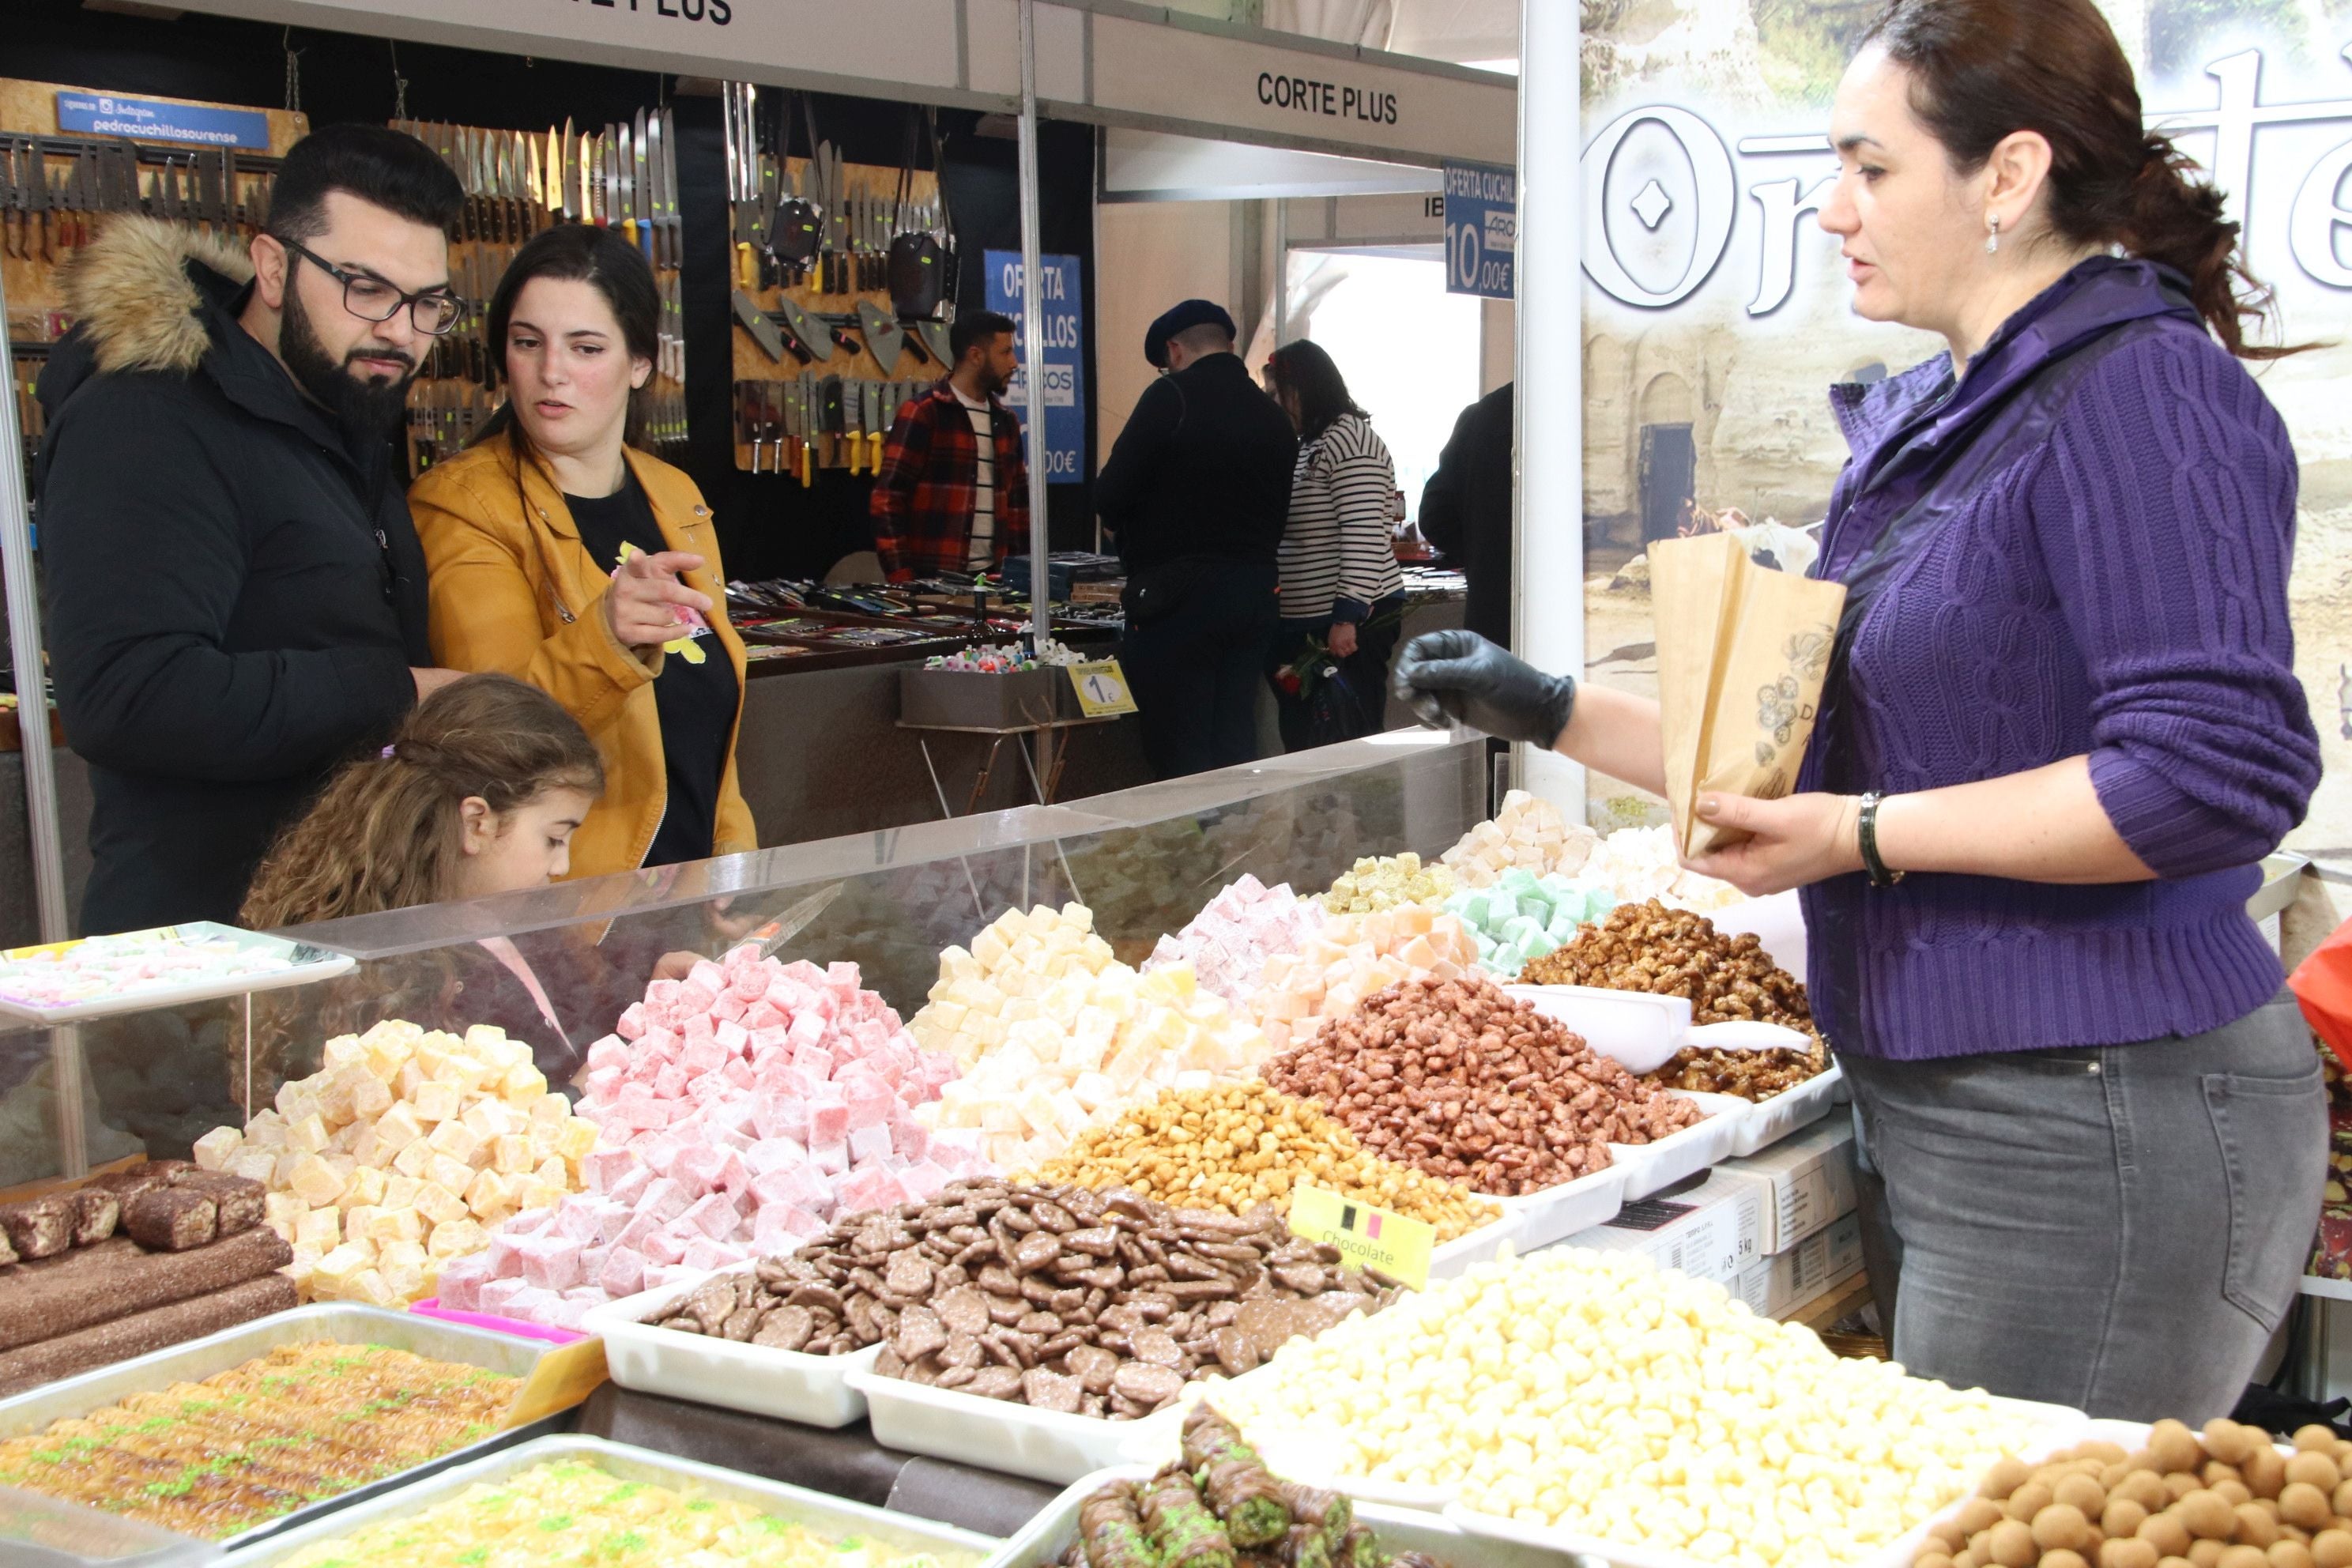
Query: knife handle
point(747, 269)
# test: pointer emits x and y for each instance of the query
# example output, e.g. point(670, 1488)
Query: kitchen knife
point(884, 336)
point(646, 202)
point(567, 172)
point(810, 340)
point(624, 172)
point(13, 206)
point(755, 321)
point(666, 152)
point(35, 187)
point(657, 234)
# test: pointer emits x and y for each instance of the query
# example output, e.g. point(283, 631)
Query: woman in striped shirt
point(1341, 586)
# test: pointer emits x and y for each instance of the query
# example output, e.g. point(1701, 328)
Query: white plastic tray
point(820, 1512)
point(789, 1385)
point(1548, 1216)
point(304, 965)
point(996, 1433)
point(1452, 1257)
point(2062, 1427)
point(1046, 1537)
point(1653, 1167)
point(1790, 1110)
point(1164, 1446)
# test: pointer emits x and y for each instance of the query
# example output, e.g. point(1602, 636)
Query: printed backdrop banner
point(1717, 312)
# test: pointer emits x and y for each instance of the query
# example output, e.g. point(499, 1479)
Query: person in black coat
point(1196, 492)
point(1465, 511)
point(237, 600)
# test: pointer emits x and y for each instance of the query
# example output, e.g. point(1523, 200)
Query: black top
point(695, 693)
point(236, 596)
point(1466, 511)
point(1200, 471)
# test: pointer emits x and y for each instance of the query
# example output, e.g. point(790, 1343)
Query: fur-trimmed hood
point(134, 301)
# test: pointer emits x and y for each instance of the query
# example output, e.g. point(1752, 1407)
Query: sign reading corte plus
point(103, 114)
point(1662, 205)
point(1482, 229)
point(1061, 361)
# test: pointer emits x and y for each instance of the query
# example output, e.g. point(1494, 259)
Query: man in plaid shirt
point(953, 493)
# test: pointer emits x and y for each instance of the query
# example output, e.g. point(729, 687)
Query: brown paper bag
point(1742, 652)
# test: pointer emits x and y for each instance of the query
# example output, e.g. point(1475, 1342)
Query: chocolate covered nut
point(39, 1228)
point(170, 1219)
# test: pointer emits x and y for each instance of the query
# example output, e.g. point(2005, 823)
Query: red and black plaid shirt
point(929, 478)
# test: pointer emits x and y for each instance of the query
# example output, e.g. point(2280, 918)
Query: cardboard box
point(1784, 1283)
point(1706, 1232)
point(1803, 1185)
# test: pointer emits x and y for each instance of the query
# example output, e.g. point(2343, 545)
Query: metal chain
point(293, 74)
point(399, 84)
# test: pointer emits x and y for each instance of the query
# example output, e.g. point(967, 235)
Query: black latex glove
point(1458, 676)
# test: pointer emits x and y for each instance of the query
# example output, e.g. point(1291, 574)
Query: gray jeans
point(2117, 1228)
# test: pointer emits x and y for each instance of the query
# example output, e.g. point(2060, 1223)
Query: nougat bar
point(136, 1334)
point(95, 1284)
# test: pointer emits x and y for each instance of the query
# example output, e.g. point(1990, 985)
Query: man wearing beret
point(1195, 492)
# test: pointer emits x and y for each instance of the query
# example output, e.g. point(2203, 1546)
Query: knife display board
point(57, 190)
point(518, 183)
point(812, 389)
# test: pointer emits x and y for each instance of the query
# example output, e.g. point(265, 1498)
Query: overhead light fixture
point(1004, 127)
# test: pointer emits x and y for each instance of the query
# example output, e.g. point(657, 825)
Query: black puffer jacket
point(235, 595)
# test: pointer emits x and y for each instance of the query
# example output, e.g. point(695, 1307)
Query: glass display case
point(1143, 860)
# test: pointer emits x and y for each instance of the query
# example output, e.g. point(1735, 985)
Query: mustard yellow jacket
point(513, 589)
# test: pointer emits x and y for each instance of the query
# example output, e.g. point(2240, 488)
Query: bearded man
point(236, 597)
point(952, 492)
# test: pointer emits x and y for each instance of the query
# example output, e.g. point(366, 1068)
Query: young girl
point(479, 794)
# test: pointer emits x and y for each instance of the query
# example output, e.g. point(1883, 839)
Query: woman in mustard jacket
point(561, 555)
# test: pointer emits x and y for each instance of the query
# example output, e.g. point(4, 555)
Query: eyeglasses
point(432, 310)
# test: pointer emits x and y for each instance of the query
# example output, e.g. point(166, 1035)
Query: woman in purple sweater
point(2062, 727)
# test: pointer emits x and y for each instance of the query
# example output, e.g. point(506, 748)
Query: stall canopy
point(1101, 61)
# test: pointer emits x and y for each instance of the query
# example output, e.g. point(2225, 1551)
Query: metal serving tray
point(1052, 1533)
point(345, 1323)
point(832, 1515)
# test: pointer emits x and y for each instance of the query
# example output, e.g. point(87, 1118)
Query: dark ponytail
point(1984, 68)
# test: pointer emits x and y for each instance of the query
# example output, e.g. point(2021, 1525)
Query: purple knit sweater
point(2104, 571)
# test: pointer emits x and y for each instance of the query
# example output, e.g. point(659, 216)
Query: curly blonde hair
point(385, 835)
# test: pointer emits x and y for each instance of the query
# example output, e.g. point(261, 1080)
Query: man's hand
point(641, 605)
point(1341, 640)
point(1803, 838)
point(429, 681)
point(1459, 675)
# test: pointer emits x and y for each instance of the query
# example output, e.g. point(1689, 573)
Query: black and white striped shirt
point(1337, 543)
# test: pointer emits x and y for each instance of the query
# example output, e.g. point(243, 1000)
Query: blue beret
point(1184, 318)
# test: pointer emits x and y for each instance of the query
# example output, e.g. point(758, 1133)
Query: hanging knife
point(548, 194)
point(641, 200)
point(609, 154)
point(13, 204)
point(668, 142)
point(624, 207)
point(657, 183)
point(755, 321)
point(566, 173)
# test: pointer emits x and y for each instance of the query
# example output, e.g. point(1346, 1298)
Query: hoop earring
point(1992, 238)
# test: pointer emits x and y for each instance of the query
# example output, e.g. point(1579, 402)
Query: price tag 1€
point(1397, 1245)
point(1102, 689)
